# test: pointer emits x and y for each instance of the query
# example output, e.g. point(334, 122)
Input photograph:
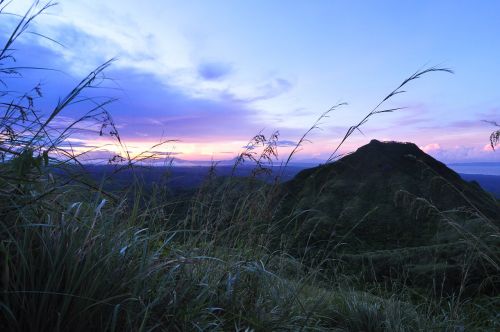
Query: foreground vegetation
point(231, 256)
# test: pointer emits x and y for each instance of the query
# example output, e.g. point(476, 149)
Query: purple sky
point(213, 74)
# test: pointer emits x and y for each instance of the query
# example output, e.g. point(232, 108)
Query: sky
point(212, 74)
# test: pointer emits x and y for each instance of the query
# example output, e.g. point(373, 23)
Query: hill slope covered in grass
point(394, 208)
point(386, 176)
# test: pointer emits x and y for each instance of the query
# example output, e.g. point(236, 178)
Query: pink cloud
point(430, 147)
point(487, 148)
point(463, 153)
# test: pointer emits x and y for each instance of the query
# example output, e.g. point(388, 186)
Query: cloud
point(164, 153)
point(168, 52)
point(150, 106)
point(286, 143)
point(272, 89)
point(97, 156)
point(430, 147)
point(168, 87)
point(488, 148)
point(146, 105)
point(213, 71)
point(462, 153)
point(474, 121)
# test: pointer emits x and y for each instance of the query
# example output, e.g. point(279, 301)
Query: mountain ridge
point(393, 207)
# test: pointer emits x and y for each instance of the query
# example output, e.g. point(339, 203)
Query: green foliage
point(239, 254)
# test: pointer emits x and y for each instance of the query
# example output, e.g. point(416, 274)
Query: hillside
point(389, 203)
point(387, 181)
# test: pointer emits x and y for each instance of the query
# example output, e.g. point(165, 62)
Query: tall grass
point(495, 135)
point(76, 258)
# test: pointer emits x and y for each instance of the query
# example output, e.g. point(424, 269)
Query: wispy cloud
point(272, 89)
point(213, 71)
point(286, 143)
point(91, 36)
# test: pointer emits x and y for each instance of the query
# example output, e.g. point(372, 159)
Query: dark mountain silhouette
point(388, 202)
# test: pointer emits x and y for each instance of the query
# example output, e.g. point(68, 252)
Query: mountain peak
point(376, 177)
point(391, 147)
point(382, 199)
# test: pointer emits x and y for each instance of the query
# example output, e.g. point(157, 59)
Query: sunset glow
point(210, 76)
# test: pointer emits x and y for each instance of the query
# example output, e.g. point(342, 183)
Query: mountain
point(490, 183)
point(178, 162)
point(388, 202)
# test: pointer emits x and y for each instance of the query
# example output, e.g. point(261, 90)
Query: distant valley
point(189, 177)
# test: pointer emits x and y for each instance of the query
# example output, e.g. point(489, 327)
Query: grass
point(74, 257)
point(90, 267)
point(495, 135)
